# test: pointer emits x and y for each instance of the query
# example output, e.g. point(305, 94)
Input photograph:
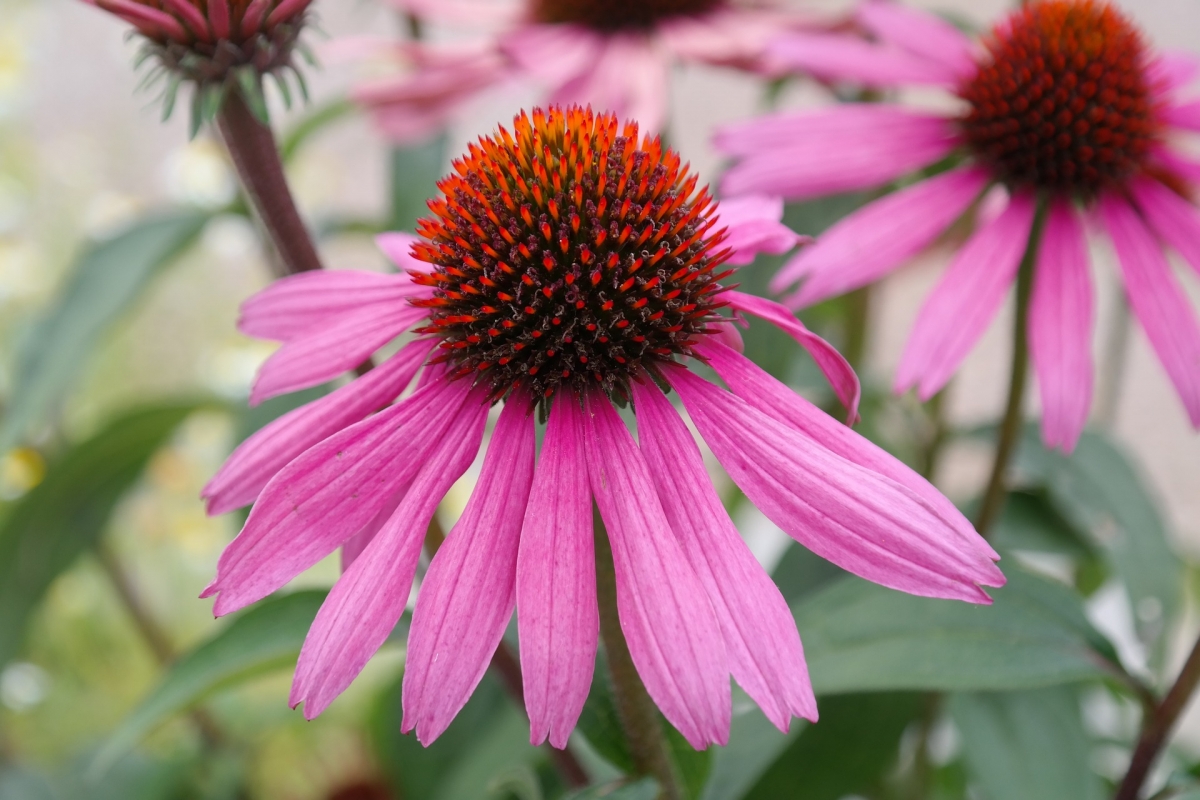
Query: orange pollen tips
point(1063, 103)
point(524, 296)
point(617, 14)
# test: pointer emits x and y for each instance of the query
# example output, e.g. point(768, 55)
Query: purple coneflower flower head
point(1062, 105)
point(567, 265)
point(613, 54)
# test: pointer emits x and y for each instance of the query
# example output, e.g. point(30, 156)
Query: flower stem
point(1157, 726)
point(1116, 357)
point(858, 312)
point(939, 433)
point(1010, 428)
point(255, 154)
point(647, 742)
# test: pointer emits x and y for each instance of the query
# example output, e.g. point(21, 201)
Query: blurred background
point(82, 154)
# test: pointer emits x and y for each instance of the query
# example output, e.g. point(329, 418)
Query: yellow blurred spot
point(20, 470)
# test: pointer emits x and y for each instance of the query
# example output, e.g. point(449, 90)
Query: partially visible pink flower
point(1063, 106)
point(566, 265)
point(611, 54)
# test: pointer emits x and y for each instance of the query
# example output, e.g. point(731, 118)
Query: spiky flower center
point(617, 14)
point(1063, 102)
point(566, 254)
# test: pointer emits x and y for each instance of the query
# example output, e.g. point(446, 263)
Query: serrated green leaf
point(265, 637)
point(415, 173)
point(1026, 745)
point(105, 282)
point(65, 514)
point(862, 637)
point(645, 789)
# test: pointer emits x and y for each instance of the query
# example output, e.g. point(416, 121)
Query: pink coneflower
point(1065, 109)
point(612, 54)
point(567, 266)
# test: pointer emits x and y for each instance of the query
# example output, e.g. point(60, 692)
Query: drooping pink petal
point(1183, 115)
point(397, 246)
point(1173, 219)
point(799, 155)
point(736, 37)
point(859, 519)
point(836, 57)
point(966, 300)
point(1172, 71)
point(256, 460)
point(367, 601)
point(468, 594)
point(761, 640)
point(629, 77)
point(332, 350)
point(753, 226)
point(557, 616)
point(329, 493)
point(1060, 327)
point(868, 244)
point(1174, 162)
point(836, 368)
point(667, 618)
point(920, 33)
point(1157, 300)
point(302, 304)
point(353, 547)
point(762, 391)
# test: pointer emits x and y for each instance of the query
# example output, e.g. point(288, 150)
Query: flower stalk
point(1010, 428)
point(643, 731)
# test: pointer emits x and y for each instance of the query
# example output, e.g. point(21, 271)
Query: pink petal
point(353, 547)
point(668, 620)
point(218, 15)
point(557, 618)
point(1183, 115)
point(878, 238)
point(736, 37)
point(367, 601)
point(761, 640)
point(836, 368)
point(330, 492)
point(921, 33)
point(813, 153)
point(1173, 219)
point(763, 392)
point(149, 21)
point(1060, 328)
point(753, 226)
point(256, 460)
point(962, 305)
point(1173, 71)
point(860, 520)
point(397, 246)
point(1157, 299)
point(333, 349)
point(302, 304)
point(837, 57)
point(553, 53)
point(191, 16)
point(629, 78)
point(468, 594)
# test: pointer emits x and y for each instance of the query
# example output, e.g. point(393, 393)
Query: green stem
point(858, 312)
point(1116, 357)
point(639, 717)
point(1010, 428)
point(939, 434)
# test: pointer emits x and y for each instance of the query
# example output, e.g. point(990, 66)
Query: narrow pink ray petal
point(921, 33)
point(1061, 318)
point(1173, 219)
point(557, 617)
point(468, 594)
point(149, 21)
point(397, 246)
point(1172, 71)
point(191, 17)
point(728, 36)
point(353, 547)
point(836, 368)
point(799, 155)
point(870, 243)
point(673, 634)
point(332, 351)
point(753, 226)
point(1157, 299)
point(966, 300)
point(1183, 115)
point(860, 520)
point(629, 77)
point(367, 601)
point(1173, 161)
point(330, 492)
point(218, 16)
point(761, 640)
point(302, 304)
point(287, 10)
point(552, 54)
point(762, 391)
point(837, 57)
point(260, 457)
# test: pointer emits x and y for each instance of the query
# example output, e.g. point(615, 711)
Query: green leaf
point(645, 789)
point(754, 744)
point(265, 637)
point(1100, 492)
point(801, 572)
point(847, 752)
point(1031, 522)
point(415, 173)
point(599, 722)
point(862, 637)
point(693, 766)
point(1026, 745)
point(108, 278)
point(64, 515)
